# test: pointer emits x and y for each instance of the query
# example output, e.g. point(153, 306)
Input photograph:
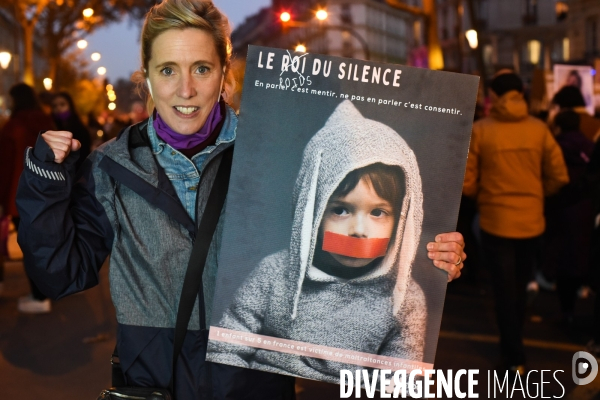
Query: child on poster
point(345, 281)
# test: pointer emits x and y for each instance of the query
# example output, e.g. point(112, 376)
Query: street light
point(285, 16)
point(82, 44)
point(321, 15)
point(301, 48)
point(112, 106)
point(101, 70)
point(471, 35)
point(48, 84)
point(96, 56)
point(88, 12)
point(5, 57)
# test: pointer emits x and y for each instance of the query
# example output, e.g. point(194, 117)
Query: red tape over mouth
point(354, 247)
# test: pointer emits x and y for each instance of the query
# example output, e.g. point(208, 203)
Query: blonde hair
point(182, 14)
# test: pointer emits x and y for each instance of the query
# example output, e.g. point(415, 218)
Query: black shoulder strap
point(193, 276)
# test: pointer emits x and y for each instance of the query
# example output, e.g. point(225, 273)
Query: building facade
point(584, 30)
point(11, 42)
point(523, 35)
point(365, 29)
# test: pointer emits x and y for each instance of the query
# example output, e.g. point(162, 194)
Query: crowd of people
point(32, 113)
point(530, 183)
point(530, 205)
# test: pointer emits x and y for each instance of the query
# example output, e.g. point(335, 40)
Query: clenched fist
point(61, 143)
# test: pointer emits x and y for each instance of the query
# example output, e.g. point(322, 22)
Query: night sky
point(119, 43)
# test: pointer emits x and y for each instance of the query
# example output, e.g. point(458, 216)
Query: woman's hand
point(447, 253)
point(61, 143)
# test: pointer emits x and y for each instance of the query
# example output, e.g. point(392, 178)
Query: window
point(534, 50)
point(530, 14)
point(347, 46)
point(591, 35)
point(346, 14)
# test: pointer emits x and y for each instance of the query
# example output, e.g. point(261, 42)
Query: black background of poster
point(274, 127)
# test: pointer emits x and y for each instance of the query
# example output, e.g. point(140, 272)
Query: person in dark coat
point(569, 215)
point(66, 118)
point(27, 119)
point(592, 180)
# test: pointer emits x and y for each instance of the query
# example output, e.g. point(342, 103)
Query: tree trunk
point(436, 58)
point(478, 50)
point(53, 64)
point(28, 75)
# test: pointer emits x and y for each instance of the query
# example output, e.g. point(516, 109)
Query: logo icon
point(584, 363)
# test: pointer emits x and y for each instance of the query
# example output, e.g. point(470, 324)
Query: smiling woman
point(186, 76)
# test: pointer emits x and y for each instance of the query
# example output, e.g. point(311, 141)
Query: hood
point(349, 141)
point(510, 107)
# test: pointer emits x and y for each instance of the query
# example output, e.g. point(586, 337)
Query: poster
point(578, 76)
point(343, 171)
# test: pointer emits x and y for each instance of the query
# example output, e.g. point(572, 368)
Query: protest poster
point(580, 76)
point(343, 171)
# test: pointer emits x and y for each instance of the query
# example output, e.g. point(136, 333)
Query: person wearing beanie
point(514, 161)
point(570, 98)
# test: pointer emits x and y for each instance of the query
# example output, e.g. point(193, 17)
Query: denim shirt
point(185, 173)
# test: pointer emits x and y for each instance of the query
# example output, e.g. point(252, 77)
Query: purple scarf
point(186, 142)
point(63, 116)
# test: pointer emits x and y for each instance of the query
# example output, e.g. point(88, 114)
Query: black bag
point(191, 288)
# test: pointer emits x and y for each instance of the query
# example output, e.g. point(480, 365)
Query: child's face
point(361, 214)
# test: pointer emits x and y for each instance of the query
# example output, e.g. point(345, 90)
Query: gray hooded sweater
point(382, 312)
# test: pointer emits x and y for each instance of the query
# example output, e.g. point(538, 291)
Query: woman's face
point(60, 105)
point(361, 214)
point(185, 76)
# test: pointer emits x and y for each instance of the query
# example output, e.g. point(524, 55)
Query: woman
point(26, 121)
point(66, 119)
point(140, 197)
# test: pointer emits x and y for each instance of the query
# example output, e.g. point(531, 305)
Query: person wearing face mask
point(66, 118)
point(141, 196)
